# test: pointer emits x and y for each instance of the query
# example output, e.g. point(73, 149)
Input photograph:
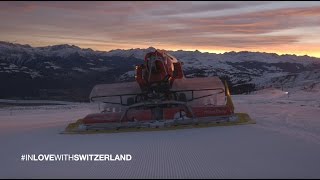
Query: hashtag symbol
point(23, 157)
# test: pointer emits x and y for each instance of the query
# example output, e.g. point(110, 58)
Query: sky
point(218, 26)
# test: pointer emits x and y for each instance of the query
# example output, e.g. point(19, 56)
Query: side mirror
point(177, 73)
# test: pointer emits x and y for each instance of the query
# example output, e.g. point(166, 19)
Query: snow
point(55, 67)
point(52, 65)
point(237, 66)
point(65, 50)
point(285, 143)
point(101, 69)
point(128, 74)
point(78, 69)
point(35, 102)
point(272, 68)
point(137, 53)
point(34, 74)
point(11, 67)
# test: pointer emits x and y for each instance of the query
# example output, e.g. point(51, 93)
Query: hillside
point(67, 72)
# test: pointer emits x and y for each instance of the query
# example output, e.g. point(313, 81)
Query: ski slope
point(285, 143)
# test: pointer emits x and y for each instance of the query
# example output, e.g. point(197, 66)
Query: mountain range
point(68, 72)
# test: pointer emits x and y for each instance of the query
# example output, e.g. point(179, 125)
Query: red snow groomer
point(160, 98)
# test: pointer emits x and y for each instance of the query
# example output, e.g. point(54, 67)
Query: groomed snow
point(285, 143)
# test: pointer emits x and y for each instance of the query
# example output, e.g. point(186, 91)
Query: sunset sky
point(280, 27)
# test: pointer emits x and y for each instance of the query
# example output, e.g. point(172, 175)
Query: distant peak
point(6, 43)
point(65, 46)
point(72, 48)
point(151, 48)
point(62, 46)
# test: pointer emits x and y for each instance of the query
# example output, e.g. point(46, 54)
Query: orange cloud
point(132, 24)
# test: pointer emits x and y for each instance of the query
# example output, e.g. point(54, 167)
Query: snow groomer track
point(285, 143)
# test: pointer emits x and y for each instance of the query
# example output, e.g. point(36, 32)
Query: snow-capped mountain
point(69, 72)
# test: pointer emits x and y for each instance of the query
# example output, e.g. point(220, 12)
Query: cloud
point(143, 22)
point(255, 23)
point(198, 7)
